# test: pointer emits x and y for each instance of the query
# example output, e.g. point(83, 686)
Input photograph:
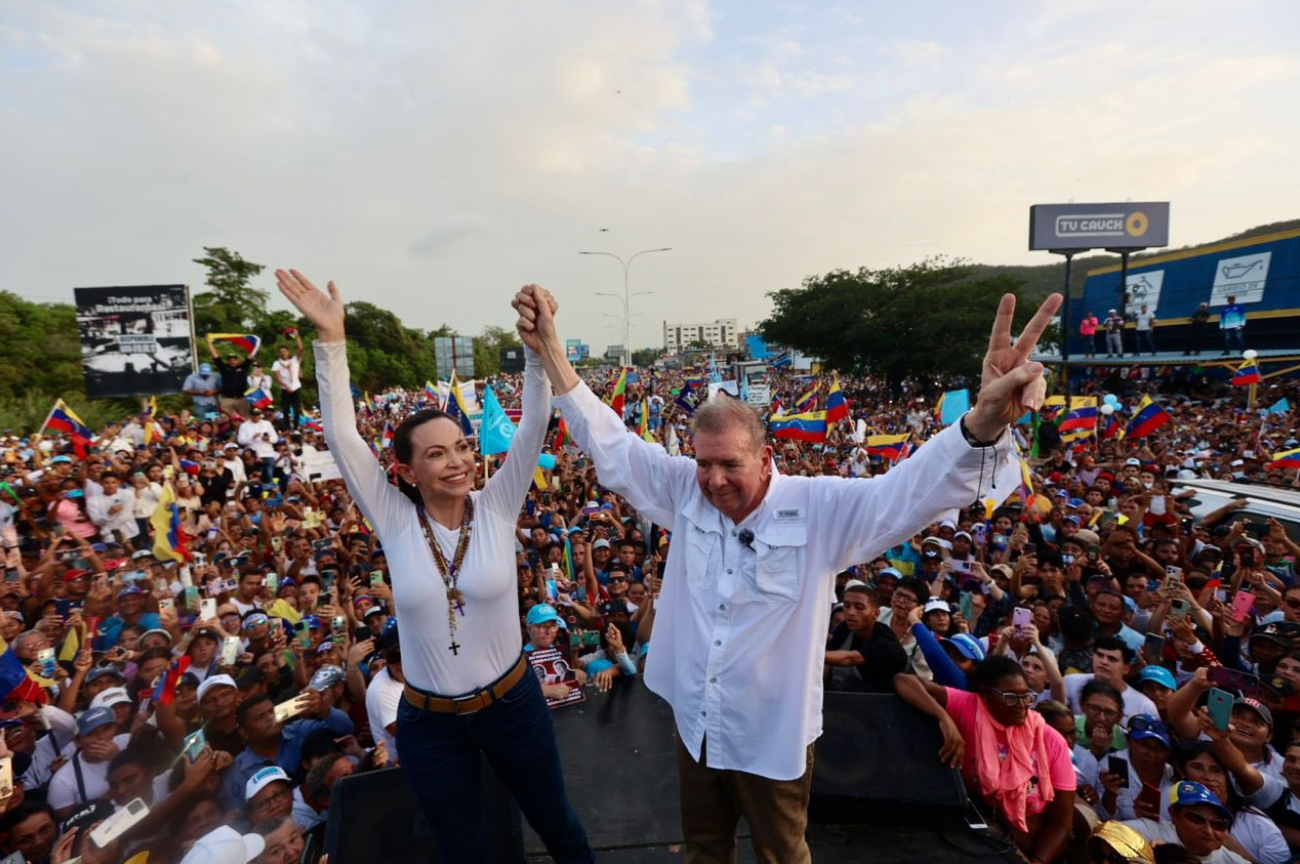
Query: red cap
point(69, 575)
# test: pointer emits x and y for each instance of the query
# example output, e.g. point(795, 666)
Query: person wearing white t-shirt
point(85, 776)
point(287, 370)
point(382, 698)
point(1110, 663)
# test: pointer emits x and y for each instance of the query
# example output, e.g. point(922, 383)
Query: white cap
point(214, 681)
point(225, 845)
point(854, 583)
point(1133, 460)
point(937, 606)
point(262, 778)
point(110, 697)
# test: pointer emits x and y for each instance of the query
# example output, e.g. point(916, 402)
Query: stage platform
point(1172, 358)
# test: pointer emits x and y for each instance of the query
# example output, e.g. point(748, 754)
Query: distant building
point(614, 354)
point(722, 334)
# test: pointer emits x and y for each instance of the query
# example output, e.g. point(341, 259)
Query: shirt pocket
point(776, 571)
point(700, 563)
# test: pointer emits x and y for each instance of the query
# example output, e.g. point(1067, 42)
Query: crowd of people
point(198, 616)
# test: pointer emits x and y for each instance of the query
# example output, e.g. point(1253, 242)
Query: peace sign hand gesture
point(1010, 384)
point(324, 312)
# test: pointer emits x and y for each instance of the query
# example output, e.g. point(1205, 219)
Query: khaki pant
point(713, 801)
point(237, 405)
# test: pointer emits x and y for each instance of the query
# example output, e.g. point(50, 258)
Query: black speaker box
point(374, 817)
point(878, 761)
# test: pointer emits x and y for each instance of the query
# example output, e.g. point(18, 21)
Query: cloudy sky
point(432, 156)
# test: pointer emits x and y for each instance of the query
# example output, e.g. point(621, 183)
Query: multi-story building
point(722, 334)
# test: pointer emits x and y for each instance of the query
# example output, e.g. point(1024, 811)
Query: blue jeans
point(440, 757)
point(1231, 336)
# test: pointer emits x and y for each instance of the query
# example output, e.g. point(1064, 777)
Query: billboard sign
point(1062, 227)
point(454, 353)
point(1243, 277)
point(136, 340)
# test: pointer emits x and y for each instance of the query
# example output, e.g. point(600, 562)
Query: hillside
point(1043, 279)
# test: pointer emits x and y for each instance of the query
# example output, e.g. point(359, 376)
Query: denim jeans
point(1233, 336)
point(440, 757)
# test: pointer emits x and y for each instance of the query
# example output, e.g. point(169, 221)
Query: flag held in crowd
point(689, 398)
point(1080, 421)
point(65, 420)
point(837, 406)
point(458, 410)
point(806, 402)
point(890, 447)
point(15, 684)
point(170, 542)
point(1247, 373)
point(257, 397)
point(497, 431)
point(810, 426)
point(1287, 459)
point(246, 341)
point(389, 432)
point(165, 690)
point(1147, 418)
point(1281, 406)
point(952, 405)
point(620, 393)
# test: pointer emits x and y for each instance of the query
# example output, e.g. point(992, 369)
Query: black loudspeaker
point(374, 817)
point(512, 359)
point(878, 761)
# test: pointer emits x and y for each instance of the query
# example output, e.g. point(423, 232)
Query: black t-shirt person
point(884, 658)
point(234, 379)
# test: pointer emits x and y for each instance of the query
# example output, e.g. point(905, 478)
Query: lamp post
point(627, 296)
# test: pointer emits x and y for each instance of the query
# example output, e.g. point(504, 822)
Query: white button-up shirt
point(740, 633)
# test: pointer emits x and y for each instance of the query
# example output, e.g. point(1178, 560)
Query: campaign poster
point(550, 667)
point(136, 340)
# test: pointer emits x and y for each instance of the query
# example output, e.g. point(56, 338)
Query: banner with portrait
point(135, 340)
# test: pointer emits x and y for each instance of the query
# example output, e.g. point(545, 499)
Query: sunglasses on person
point(1292, 602)
point(618, 579)
point(1144, 724)
point(1216, 823)
point(1013, 699)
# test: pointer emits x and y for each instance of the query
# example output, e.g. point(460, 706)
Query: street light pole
point(627, 297)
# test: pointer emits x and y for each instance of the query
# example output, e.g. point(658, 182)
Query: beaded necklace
point(450, 573)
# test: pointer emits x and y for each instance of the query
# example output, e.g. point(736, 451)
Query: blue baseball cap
point(967, 646)
point(541, 613)
point(205, 368)
point(94, 718)
point(1142, 727)
point(1160, 675)
point(1185, 793)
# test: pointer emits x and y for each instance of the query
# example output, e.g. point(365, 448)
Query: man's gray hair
point(25, 635)
point(724, 412)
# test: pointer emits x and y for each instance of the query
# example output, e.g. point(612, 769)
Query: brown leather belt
point(470, 702)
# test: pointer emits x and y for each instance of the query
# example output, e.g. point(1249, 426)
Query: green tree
point(646, 356)
point(928, 319)
point(487, 349)
point(232, 304)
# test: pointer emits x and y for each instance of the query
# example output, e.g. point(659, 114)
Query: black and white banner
point(135, 340)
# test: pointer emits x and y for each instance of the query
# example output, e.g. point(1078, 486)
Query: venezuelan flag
point(431, 392)
point(1146, 419)
point(1286, 459)
point(246, 341)
point(1247, 373)
point(620, 393)
point(65, 420)
point(1113, 429)
point(1082, 415)
point(257, 397)
point(1026, 485)
point(457, 410)
point(170, 542)
point(807, 400)
point(1052, 407)
point(562, 434)
point(644, 431)
point(389, 432)
point(837, 407)
point(810, 426)
point(891, 447)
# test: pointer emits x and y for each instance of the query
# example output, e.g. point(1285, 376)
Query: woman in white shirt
point(450, 552)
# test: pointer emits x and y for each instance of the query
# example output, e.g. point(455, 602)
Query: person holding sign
point(468, 688)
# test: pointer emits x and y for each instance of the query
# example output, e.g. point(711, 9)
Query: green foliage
point(232, 305)
point(929, 319)
point(646, 356)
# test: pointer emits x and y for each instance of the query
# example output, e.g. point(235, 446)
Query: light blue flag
point(546, 461)
point(955, 404)
point(497, 430)
point(1281, 406)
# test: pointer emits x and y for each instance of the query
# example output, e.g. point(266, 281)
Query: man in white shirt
point(85, 776)
point(257, 434)
point(1111, 662)
point(113, 510)
point(287, 370)
point(741, 628)
point(385, 693)
point(1198, 822)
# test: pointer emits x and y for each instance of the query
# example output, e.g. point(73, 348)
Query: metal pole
point(627, 295)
